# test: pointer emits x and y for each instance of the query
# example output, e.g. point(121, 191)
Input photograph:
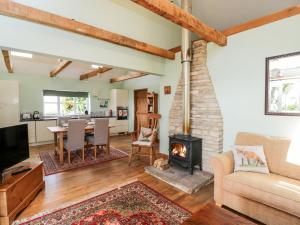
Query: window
point(65, 103)
point(283, 85)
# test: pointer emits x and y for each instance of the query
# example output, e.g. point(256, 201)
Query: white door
point(9, 103)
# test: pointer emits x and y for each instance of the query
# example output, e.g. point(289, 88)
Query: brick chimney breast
point(206, 116)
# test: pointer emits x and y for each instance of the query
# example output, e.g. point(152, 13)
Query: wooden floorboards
point(76, 184)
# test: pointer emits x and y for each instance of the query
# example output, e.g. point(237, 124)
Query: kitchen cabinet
point(118, 98)
point(119, 126)
point(31, 131)
point(9, 103)
point(42, 132)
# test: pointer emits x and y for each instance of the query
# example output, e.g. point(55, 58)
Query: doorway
point(140, 103)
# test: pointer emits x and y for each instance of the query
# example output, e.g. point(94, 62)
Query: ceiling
point(42, 65)
point(222, 14)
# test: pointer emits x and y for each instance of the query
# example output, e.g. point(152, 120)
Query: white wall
point(121, 16)
point(150, 82)
point(238, 74)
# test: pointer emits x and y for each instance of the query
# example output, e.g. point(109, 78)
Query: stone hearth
point(206, 117)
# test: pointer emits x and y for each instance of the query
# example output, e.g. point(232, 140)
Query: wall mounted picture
point(104, 103)
point(167, 90)
point(283, 85)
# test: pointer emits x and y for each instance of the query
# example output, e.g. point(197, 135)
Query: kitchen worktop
point(55, 118)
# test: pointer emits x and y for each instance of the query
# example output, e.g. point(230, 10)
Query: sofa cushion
point(276, 151)
point(270, 189)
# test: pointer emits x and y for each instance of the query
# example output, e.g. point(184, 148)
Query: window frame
point(267, 87)
point(59, 102)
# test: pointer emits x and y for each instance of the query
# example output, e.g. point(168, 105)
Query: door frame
point(135, 97)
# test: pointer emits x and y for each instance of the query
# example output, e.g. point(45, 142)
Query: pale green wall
point(31, 89)
point(171, 78)
point(121, 16)
point(150, 82)
point(238, 74)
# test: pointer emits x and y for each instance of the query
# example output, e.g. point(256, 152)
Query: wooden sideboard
point(18, 191)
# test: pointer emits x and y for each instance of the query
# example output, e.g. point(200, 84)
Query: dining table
point(59, 133)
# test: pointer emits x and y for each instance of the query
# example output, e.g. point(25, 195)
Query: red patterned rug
point(52, 165)
point(131, 204)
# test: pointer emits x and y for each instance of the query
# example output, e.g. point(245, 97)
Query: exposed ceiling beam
point(94, 73)
point(7, 61)
point(177, 15)
point(127, 77)
point(283, 14)
point(62, 65)
point(292, 11)
point(16, 10)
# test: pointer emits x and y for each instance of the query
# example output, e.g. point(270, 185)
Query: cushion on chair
point(277, 151)
point(142, 143)
point(250, 158)
point(146, 134)
point(270, 189)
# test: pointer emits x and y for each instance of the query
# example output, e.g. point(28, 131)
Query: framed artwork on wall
point(282, 90)
point(104, 103)
point(167, 90)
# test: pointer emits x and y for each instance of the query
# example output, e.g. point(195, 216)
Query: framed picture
point(103, 103)
point(167, 90)
point(282, 91)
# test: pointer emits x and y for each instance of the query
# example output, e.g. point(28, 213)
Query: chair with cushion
point(145, 137)
point(271, 198)
point(75, 140)
point(61, 120)
point(85, 117)
point(101, 135)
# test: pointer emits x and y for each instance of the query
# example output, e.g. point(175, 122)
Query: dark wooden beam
point(94, 73)
point(7, 61)
point(62, 65)
point(16, 10)
point(283, 14)
point(127, 77)
point(177, 15)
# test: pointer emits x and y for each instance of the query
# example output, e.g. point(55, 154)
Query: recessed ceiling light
point(21, 54)
point(96, 66)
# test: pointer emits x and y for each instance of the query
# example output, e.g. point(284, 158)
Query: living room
point(237, 87)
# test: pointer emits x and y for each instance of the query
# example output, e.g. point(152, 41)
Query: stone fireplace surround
point(206, 116)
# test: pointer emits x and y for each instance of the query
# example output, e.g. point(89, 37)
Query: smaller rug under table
point(52, 165)
point(134, 203)
point(181, 179)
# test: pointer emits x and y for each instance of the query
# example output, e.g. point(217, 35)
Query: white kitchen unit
point(9, 103)
point(42, 132)
point(38, 134)
point(118, 98)
point(31, 131)
point(119, 126)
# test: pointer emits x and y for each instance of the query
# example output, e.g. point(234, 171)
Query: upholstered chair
point(75, 140)
point(101, 135)
point(62, 120)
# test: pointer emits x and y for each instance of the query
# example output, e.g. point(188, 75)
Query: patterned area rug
point(181, 179)
point(131, 204)
point(52, 165)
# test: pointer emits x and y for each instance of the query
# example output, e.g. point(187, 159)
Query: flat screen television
point(14, 147)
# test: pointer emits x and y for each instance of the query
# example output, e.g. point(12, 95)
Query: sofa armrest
point(223, 165)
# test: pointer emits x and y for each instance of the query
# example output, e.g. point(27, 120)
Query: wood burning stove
point(186, 151)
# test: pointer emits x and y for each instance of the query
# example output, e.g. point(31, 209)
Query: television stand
point(19, 190)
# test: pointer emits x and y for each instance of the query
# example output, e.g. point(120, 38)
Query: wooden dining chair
point(145, 137)
point(75, 138)
point(101, 135)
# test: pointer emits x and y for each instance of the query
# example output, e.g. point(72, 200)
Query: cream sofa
point(269, 198)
